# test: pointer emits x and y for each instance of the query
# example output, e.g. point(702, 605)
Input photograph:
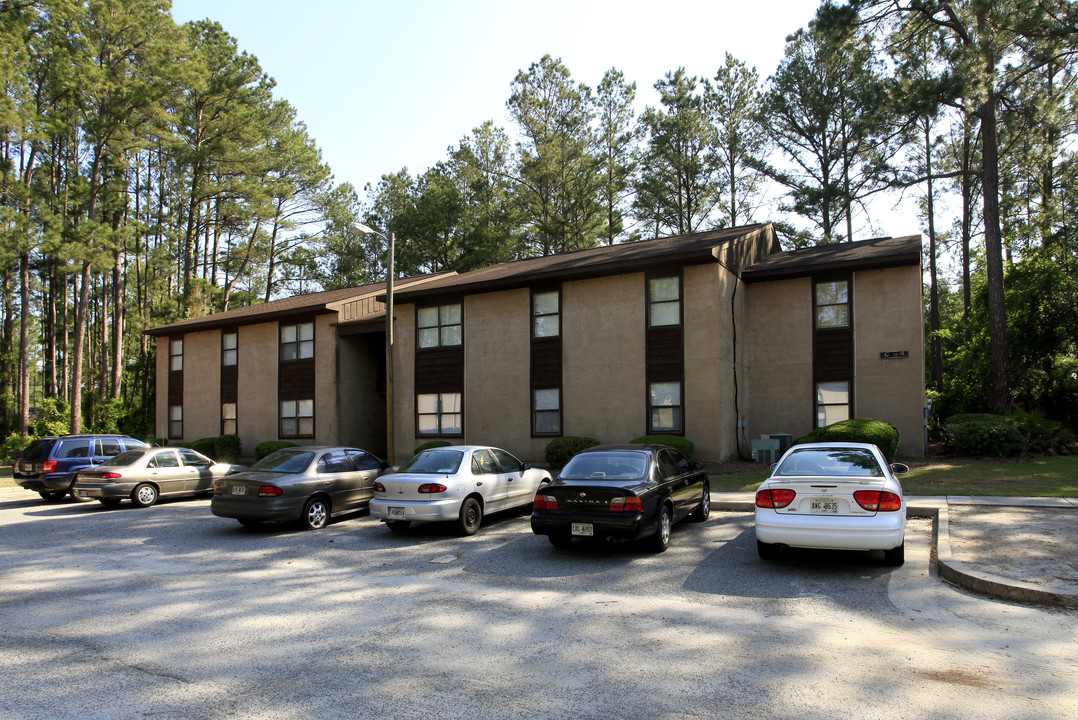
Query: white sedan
point(459, 483)
point(832, 496)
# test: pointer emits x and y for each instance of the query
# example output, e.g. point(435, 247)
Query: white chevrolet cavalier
point(832, 496)
point(458, 483)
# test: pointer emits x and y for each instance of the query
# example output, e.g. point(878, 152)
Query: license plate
point(396, 512)
point(583, 529)
point(239, 489)
point(26, 467)
point(824, 505)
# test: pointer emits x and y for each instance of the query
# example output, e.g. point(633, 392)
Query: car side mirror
point(773, 466)
point(899, 468)
point(697, 466)
point(525, 466)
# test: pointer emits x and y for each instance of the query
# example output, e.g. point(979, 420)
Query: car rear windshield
point(830, 462)
point(606, 466)
point(124, 458)
point(284, 461)
point(38, 450)
point(437, 461)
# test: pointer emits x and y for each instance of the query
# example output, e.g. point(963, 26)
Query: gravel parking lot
point(169, 612)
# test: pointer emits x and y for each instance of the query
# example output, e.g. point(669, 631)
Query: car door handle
point(479, 483)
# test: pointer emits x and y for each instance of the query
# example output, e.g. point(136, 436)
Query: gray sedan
point(145, 474)
point(309, 484)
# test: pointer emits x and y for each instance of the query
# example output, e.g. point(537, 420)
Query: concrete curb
point(955, 571)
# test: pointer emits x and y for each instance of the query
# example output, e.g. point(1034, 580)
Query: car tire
point(703, 510)
point(144, 495)
point(315, 514)
point(109, 502)
point(895, 557)
point(398, 525)
point(471, 516)
point(767, 551)
point(560, 539)
point(661, 539)
point(52, 496)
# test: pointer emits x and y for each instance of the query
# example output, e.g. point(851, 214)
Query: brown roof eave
point(215, 322)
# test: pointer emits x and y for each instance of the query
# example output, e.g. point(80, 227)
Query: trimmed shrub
point(431, 444)
point(880, 433)
point(224, 449)
point(981, 434)
point(263, 449)
point(560, 450)
point(682, 445)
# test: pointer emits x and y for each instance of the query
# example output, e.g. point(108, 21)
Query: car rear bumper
point(630, 527)
point(269, 509)
point(417, 511)
point(882, 531)
point(48, 483)
point(103, 490)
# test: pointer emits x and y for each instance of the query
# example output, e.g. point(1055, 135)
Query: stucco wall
point(404, 439)
point(888, 317)
point(256, 392)
point(326, 423)
point(708, 389)
point(201, 385)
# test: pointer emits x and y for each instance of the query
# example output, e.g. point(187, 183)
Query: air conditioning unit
point(786, 440)
point(766, 450)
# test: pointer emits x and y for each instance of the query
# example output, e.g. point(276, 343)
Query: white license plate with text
point(396, 513)
point(583, 529)
point(239, 489)
point(824, 505)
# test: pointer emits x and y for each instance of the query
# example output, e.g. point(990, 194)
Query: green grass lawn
point(1037, 477)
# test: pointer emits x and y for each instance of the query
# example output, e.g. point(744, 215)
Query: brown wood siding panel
point(175, 388)
point(665, 354)
point(295, 380)
point(439, 370)
point(230, 379)
point(832, 355)
point(546, 368)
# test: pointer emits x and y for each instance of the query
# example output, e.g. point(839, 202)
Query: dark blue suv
point(49, 464)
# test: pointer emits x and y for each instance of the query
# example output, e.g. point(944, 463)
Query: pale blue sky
point(393, 84)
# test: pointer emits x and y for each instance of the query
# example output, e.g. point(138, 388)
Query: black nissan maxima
point(622, 492)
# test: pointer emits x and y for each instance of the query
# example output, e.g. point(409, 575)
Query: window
point(509, 463)
point(665, 405)
point(74, 448)
point(175, 355)
point(439, 414)
point(297, 418)
point(228, 418)
point(440, 326)
point(546, 314)
point(364, 461)
point(547, 412)
point(109, 447)
point(832, 402)
point(229, 354)
point(664, 301)
point(832, 305)
point(297, 342)
point(175, 421)
point(336, 461)
point(192, 459)
point(165, 459)
point(483, 463)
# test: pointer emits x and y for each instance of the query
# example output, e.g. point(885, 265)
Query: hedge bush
point(880, 433)
point(431, 444)
point(984, 434)
point(223, 449)
point(560, 450)
point(1043, 435)
point(263, 449)
point(682, 445)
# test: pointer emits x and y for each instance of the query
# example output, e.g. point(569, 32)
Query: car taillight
point(270, 491)
point(48, 466)
point(379, 487)
point(107, 475)
point(626, 504)
point(545, 502)
point(878, 500)
point(778, 498)
point(426, 488)
point(217, 488)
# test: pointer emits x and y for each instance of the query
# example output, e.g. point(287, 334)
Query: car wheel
point(895, 556)
point(661, 539)
point(144, 495)
point(471, 515)
point(767, 551)
point(315, 514)
point(398, 525)
point(52, 495)
point(109, 502)
point(560, 539)
point(702, 510)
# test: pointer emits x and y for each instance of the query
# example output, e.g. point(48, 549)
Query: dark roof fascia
point(222, 320)
point(608, 261)
point(875, 254)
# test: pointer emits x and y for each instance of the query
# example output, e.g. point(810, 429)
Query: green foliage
point(682, 445)
point(560, 450)
point(224, 448)
point(263, 449)
point(13, 443)
point(102, 414)
point(880, 433)
point(55, 418)
point(1043, 435)
point(431, 444)
point(983, 434)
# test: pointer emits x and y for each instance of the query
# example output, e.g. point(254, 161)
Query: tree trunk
point(76, 357)
point(24, 345)
point(933, 281)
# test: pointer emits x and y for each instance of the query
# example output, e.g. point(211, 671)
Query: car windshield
point(125, 458)
point(284, 461)
point(436, 461)
point(830, 462)
point(606, 466)
point(38, 449)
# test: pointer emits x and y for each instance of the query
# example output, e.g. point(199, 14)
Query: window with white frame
point(832, 402)
point(547, 420)
point(229, 345)
point(664, 402)
point(439, 414)
point(546, 314)
point(664, 301)
point(297, 342)
point(832, 304)
point(228, 418)
point(175, 355)
point(440, 326)
point(297, 418)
